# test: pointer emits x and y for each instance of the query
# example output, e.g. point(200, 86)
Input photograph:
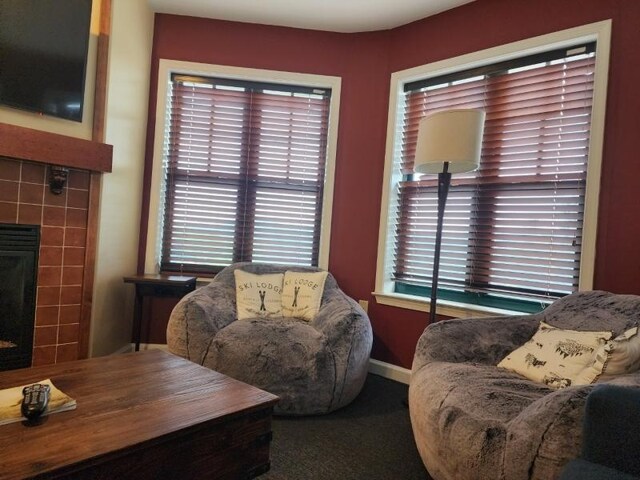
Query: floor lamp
point(449, 142)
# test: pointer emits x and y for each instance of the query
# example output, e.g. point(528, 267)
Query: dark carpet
point(369, 439)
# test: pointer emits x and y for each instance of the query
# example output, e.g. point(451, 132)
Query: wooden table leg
point(155, 285)
point(137, 318)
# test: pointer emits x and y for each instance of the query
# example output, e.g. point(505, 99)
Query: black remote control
point(35, 401)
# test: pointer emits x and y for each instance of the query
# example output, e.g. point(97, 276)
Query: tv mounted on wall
point(43, 55)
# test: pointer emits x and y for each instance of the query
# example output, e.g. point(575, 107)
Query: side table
point(156, 285)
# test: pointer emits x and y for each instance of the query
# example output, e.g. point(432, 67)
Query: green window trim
point(471, 298)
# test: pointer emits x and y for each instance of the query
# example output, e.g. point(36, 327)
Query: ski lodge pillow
point(302, 294)
point(258, 295)
point(560, 358)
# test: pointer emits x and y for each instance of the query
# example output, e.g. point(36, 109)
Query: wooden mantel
point(43, 147)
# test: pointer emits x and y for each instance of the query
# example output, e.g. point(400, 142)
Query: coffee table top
point(123, 401)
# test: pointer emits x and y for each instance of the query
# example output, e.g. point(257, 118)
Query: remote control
point(36, 398)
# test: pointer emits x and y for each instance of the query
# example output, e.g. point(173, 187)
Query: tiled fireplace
point(67, 224)
point(25, 198)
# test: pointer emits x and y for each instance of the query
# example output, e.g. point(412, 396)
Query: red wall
point(365, 62)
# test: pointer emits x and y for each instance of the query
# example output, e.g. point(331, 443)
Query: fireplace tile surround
point(69, 225)
point(25, 198)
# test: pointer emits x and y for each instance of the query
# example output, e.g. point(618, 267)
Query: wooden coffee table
point(144, 415)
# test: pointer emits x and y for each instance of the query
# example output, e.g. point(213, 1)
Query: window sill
point(443, 307)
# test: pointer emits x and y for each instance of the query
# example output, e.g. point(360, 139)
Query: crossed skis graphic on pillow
point(263, 294)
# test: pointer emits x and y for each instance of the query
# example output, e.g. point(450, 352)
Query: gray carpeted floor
point(369, 439)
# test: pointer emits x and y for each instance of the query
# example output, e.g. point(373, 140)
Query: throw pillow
point(623, 354)
point(559, 358)
point(302, 294)
point(258, 295)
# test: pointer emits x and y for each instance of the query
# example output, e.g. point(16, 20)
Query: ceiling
point(331, 15)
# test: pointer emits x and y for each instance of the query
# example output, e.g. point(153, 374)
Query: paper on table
point(11, 400)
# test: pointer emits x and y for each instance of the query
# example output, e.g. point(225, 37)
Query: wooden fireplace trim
point(44, 147)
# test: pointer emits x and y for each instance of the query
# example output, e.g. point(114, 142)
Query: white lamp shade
point(453, 136)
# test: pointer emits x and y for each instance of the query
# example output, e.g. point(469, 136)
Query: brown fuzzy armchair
point(314, 366)
point(472, 420)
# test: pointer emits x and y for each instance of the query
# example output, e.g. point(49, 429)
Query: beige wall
point(126, 124)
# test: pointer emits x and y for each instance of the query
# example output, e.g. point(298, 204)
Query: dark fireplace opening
point(19, 246)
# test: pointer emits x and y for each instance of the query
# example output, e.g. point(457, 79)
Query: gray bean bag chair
point(314, 366)
point(472, 420)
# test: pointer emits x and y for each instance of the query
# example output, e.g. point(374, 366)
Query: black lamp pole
point(444, 180)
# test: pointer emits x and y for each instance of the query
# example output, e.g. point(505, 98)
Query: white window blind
point(512, 229)
point(245, 166)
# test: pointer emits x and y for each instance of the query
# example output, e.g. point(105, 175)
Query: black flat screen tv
point(43, 55)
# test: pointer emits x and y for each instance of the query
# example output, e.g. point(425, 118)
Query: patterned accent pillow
point(624, 354)
point(302, 294)
point(560, 358)
point(258, 295)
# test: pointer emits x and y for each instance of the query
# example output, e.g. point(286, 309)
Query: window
point(513, 230)
point(245, 173)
